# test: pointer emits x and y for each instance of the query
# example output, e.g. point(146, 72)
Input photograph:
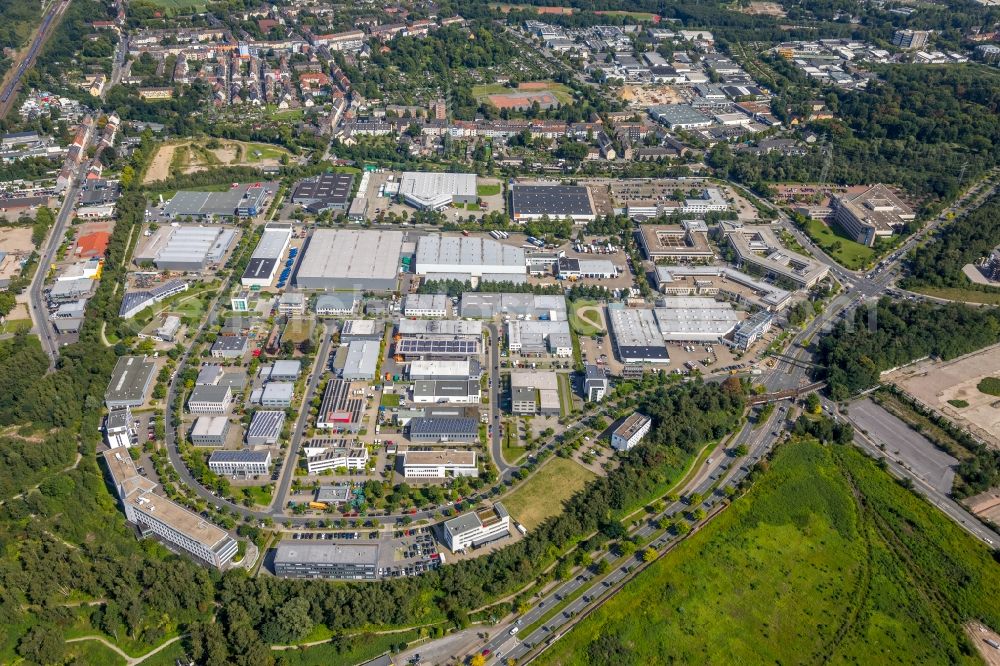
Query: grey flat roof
point(332, 188)
point(351, 254)
point(209, 426)
point(286, 367)
point(209, 393)
point(129, 379)
point(297, 552)
point(555, 200)
point(278, 391)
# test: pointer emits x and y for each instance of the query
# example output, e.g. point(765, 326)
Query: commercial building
point(695, 319)
point(267, 255)
point(439, 464)
point(339, 410)
point(329, 191)
point(539, 338)
point(239, 201)
point(334, 494)
point(466, 257)
point(573, 269)
point(130, 382)
point(910, 39)
point(246, 461)
point(710, 201)
point(154, 514)
point(476, 528)
point(265, 428)
point(595, 383)
point(361, 329)
point(758, 249)
point(630, 432)
point(67, 291)
point(443, 429)
point(301, 559)
point(437, 191)
point(209, 399)
point(556, 202)
point(679, 116)
point(752, 329)
point(341, 259)
point(422, 347)
point(277, 394)
point(636, 335)
point(442, 370)
point(332, 454)
point(210, 431)
point(446, 390)
point(722, 281)
point(285, 371)
point(425, 305)
point(175, 247)
point(443, 330)
point(336, 304)
point(119, 428)
point(230, 346)
point(134, 302)
point(874, 212)
point(292, 303)
point(168, 330)
point(362, 360)
point(483, 305)
point(674, 242)
point(534, 392)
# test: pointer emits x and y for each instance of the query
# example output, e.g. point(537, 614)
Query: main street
point(36, 299)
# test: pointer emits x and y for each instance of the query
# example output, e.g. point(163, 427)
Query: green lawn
point(351, 650)
point(957, 294)
point(586, 323)
point(801, 571)
point(853, 256)
point(266, 150)
point(561, 92)
point(510, 445)
point(389, 400)
point(542, 495)
point(488, 190)
point(92, 652)
point(15, 326)
point(261, 495)
point(180, 6)
point(989, 386)
point(565, 395)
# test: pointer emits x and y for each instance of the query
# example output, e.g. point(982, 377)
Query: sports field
point(561, 93)
point(827, 559)
point(180, 6)
point(542, 495)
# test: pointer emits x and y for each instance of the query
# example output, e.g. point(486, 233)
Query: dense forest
point(924, 128)
point(960, 242)
point(859, 348)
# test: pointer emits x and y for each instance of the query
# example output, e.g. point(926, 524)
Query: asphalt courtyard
point(906, 445)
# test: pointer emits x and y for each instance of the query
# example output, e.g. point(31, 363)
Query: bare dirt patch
point(979, 633)
point(646, 96)
point(934, 384)
point(986, 505)
point(159, 168)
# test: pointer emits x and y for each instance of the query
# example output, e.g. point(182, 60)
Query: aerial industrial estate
point(390, 335)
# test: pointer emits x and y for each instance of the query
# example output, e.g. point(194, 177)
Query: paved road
point(905, 444)
point(49, 21)
point(292, 459)
point(36, 300)
point(496, 442)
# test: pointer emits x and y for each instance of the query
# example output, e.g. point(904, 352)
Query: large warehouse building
point(186, 248)
point(636, 335)
point(557, 202)
point(350, 260)
point(329, 191)
point(695, 319)
point(264, 261)
point(238, 201)
point(436, 191)
point(465, 257)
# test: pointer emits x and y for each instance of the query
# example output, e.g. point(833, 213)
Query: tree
point(741, 451)
point(603, 567)
point(477, 660)
point(648, 555)
point(42, 645)
point(813, 405)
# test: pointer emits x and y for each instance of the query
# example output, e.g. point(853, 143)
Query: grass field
point(989, 386)
point(389, 400)
point(565, 395)
point(586, 322)
point(851, 255)
point(488, 190)
point(351, 650)
point(92, 652)
point(962, 295)
point(510, 446)
point(261, 495)
point(180, 6)
point(542, 495)
point(826, 559)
